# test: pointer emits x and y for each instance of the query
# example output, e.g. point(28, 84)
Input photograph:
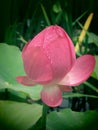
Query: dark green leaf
point(69, 120)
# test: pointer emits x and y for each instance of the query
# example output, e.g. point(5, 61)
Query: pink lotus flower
point(49, 59)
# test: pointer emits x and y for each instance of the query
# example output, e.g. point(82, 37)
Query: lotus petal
point(25, 80)
point(80, 72)
point(36, 64)
point(51, 95)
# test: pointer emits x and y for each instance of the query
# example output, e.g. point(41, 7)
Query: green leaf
point(93, 38)
point(96, 68)
point(18, 116)
point(69, 120)
point(57, 7)
point(11, 66)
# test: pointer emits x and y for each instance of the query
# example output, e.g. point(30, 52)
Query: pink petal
point(48, 35)
point(51, 95)
point(25, 47)
point(36, 64)
point(80, 72)
point(38, 39)
point(65, 88)
point(25, 81)
point(61, 55)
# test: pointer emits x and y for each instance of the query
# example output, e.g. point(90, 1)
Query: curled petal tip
point(25, 81)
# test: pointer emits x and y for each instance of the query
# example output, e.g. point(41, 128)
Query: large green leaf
point(18, 116)
point(69, 120)
point(11, 66)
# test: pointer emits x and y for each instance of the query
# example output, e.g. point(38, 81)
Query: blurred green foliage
point(29, 17)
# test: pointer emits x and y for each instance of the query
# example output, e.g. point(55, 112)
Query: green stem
point(79, 18)
point(91, 86)
point(21, 38)
point(45, 15)
point(44, 116)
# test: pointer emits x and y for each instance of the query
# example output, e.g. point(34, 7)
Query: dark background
point(18, 11)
